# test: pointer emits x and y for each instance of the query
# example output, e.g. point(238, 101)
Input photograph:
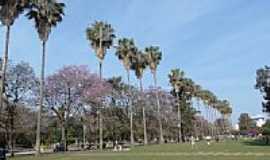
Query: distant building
point(259, 120)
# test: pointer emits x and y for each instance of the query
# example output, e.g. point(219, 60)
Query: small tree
point(64, 92)
point(245, 122)
point(21, 82)
point(263, 85)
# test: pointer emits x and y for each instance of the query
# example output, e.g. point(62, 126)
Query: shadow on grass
point(258, 142)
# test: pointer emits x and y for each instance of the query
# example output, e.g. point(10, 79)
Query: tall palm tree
point(46, 15)
point(175, 77)
point(154, 56)
point(211, 103)
point(139, 64)
point(219, 108)
point(9, 12)
point(208, 99)
point(125, 50)
point(225, 111)
point(197, 96)
point(101, 36)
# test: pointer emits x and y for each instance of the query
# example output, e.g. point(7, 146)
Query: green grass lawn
point(216, 151)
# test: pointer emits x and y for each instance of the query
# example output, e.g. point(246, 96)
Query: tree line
point(74, 95)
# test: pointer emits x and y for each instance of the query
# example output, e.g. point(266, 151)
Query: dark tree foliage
point(245, 122)
point(263, 84)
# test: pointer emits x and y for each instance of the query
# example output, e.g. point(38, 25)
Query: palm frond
point(46, 14)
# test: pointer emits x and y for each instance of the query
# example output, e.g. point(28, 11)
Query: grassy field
point(217, 151)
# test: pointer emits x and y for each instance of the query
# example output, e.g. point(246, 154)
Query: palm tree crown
point(10, 10)
point(125, 50)
point(139, 64)
point(154, 56)
point(175, 76)
point(46, 15)
point(101, 36)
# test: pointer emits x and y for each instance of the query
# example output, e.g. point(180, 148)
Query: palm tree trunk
point(12, 139)
point(200, 119)
point(179, 119)
point(213, 121)
point(4, 67)
point(161, 139)
point(144, 117)
point(216, 123)
point(209, 120)
point(100, 114)
point(223, 124)
point(131, 111)
point(11, 117)
point(41, 92)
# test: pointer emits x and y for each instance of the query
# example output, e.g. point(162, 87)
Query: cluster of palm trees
point(186, 90)
point(101, 36)
point(46, 14)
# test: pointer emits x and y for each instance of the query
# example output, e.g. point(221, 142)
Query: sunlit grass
point(216, 151)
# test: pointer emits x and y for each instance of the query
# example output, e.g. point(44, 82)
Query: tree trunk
point(12, 128)
point(131, 111)
point(208, 121)
point(84, 136)
point(216, 123)
point(179, 119)
point(212, 121)
point(100, 114)
point(223, 124)
point(144, 117)
point(4, 67)
point(161, 139)
point(41, 97)
point(63, 135)
point(201, 131)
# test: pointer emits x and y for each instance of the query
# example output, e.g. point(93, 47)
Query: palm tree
point(176, 76)
point(9, 12)
point(154, 57)
point(207, 98)
point(46, 15)
point(125, 50)
point(101, 36)
point(197, 96)
point(139, 64)
point(225, 111)
point(211, 103)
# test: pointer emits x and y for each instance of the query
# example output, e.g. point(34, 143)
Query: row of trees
point(101, 36)
point(74, 91)
point(186, 91)
point(73, 95)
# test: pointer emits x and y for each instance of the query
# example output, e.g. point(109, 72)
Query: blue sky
point(219, 44)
